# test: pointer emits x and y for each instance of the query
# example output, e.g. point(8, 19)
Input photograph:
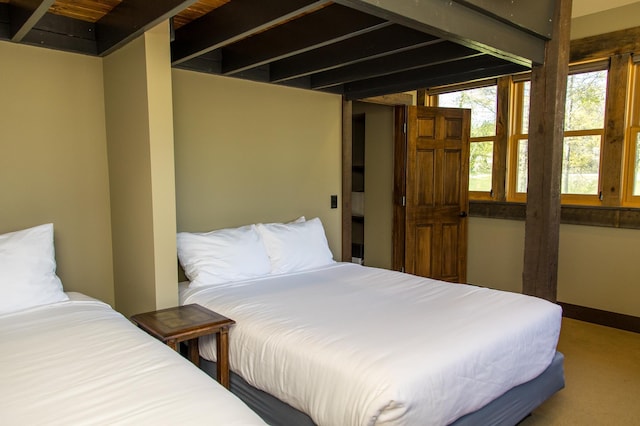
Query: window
point(482, 102)
point(583, 136)
point(518, 151)
point(632, 168)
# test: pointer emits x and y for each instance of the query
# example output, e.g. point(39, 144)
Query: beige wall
point(597, 267)
point(141, 169)
point(248, 152)
point(378, 176)
point(615, 19)
point(53, 159)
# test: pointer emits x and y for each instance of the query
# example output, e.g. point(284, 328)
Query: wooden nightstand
point(187, 323)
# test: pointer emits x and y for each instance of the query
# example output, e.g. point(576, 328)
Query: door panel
point(452, 171)
point(424, 244)
point(450, 239)
point(437, 179)
point(425, 172)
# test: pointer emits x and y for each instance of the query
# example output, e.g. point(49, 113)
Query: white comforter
point(81, 363)
point(351, 345)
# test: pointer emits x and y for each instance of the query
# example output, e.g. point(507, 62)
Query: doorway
point(383, 211)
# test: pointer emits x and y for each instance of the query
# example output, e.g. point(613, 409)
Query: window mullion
point(611, 176)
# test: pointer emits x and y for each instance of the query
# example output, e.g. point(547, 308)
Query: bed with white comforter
point(79, 362)
point(353, 345)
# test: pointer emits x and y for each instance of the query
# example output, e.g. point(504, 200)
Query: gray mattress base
point(507, 410)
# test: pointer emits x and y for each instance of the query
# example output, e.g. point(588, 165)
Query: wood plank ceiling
point(357, 48)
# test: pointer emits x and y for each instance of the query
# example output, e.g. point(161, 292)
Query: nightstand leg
point(173, 344)
point(194, 354)
point(222, 345)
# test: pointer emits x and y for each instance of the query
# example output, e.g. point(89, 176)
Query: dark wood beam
point(132, 18)
point(605, 45)
point(428, 77)
point(546, 134)
point(234, 21)
point(328, 25)
point(5, 30)
point(532, 16)
point(25, 14)
point(376, 44)
point(459, 23)
point(406, 60)
point(63, 33)
point(210, 63)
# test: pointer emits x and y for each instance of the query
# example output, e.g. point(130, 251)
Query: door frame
point(396, 100)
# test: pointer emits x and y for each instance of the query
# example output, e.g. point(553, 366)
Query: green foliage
point(586, 94)
point(481, 102)
point(584, 110)
point(480, 166)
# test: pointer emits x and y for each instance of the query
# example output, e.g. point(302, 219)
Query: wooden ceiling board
point(194, 12)
point(84, 10)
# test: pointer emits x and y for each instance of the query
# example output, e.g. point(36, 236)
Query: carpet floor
point(602, 375)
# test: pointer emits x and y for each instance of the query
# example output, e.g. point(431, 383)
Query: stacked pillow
point(28, 269)
point(252, 251)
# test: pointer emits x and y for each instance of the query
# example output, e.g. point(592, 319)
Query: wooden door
point(436, 146)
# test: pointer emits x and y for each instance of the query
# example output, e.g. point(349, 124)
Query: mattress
point(507, 410)
point(354, 345)
point(80, 362)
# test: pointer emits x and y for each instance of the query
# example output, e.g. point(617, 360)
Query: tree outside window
point(583, 134)
point(482, 101)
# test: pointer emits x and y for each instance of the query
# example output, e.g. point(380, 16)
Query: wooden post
point(347, 148)
point(546, 134)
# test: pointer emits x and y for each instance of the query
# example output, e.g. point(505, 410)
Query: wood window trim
point(613, 105)
point(605, 45)
point(615, 210)
point(632, 136)
point(608, 217)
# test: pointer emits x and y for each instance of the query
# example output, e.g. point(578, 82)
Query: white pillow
point(296, 246)
point(222, 256)
point(28, 269)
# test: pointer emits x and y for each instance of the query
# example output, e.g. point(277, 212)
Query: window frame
point(620, 48)
point(518, 134)
point(433, 94)
point(632, 135)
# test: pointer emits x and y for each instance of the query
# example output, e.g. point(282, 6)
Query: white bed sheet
point(353, 345)
point(81, 363)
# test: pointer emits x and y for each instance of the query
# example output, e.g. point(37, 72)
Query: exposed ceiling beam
point(414, 59)
point(386, 41)
point(63, 33)
point(533, 16)
point(5, 32)
point(234, 21)
point(25, 14)
point(328, 25)
point(448, 73)
point(456, 22)
point(131, 18)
